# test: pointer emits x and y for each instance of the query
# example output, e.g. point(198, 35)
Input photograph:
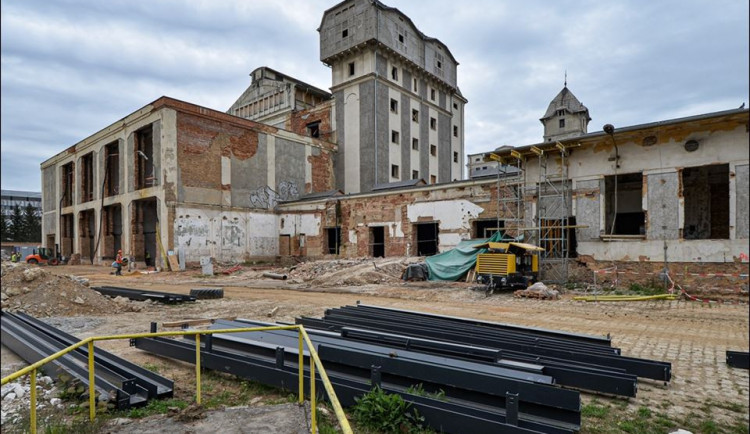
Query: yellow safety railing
point(303, 338)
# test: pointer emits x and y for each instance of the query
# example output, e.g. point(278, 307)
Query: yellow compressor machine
point(507, 265)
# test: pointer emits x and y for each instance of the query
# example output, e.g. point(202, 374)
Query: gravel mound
point(32, 290)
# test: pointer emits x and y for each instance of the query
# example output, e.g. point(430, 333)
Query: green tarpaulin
point(454, 263)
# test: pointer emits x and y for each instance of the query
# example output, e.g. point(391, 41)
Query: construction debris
point(33, 290)
point(539, 291)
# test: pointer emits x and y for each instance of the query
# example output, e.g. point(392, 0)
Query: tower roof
point(565, 100)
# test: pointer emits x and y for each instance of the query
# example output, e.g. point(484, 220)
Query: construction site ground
point(705, 394)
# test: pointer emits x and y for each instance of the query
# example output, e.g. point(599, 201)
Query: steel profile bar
point(641, 367)
point(450, 417)
point(738, 359)
point(155, 384)
point(535, 330)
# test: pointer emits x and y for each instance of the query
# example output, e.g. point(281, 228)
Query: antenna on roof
point(566, 78)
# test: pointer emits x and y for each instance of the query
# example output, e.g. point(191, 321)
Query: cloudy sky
point(72, 67)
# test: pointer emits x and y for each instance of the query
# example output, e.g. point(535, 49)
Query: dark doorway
point(427, 238)
point(285, 245)
point(112, 222)
point(486, 228)
point(66, 232)
point(333, 237)
point(111, 169)
point(144, 231)
point(377, 241)
point(86, 227)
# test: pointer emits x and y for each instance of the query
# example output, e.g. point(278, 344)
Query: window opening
point(394, 137)
point(344, 33)
point(706, 193)
point(415, 174)
point(313, 129)
point(485, 228)
point(112, 169)
point(455, 131)
point(415, 144)
point(433, 123)
point(394, 170)
point(455, 157)
point(394, 105)
point(415, 115)
point(351, 68)
point(144, 158)
point(68, 174)
point(433, 179)
point(433, 150)
point(415, 85)
point(562, 123)
point(394, 73)
point(87, 177)
point(630, 218)
point(432, 94)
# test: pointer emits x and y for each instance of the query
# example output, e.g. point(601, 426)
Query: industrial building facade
point(374, 169)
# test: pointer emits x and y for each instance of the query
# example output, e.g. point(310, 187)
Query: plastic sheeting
point(453, 264)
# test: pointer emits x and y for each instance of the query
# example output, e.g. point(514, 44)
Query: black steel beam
point(600, 340)
point(444, 416)
point(156, 385)
point(143, 294)
point(34, 346)
point(738, 359)
point(640, 367)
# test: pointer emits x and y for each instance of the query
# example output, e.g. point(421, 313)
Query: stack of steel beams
point(143, 294)
point(122, 382)
point(738, 359)
point(581, 361)
point(453, 395)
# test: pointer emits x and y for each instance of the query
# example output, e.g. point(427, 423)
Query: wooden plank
point(174, 264)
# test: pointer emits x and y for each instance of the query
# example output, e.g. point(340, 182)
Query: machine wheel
point(53, 261)
point(32, 261)
point(207, 293)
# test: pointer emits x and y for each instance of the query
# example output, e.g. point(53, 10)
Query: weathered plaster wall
point(227, 235)
point(677, 250)
point(587, 209)
point(663, 219)
point(742, 207)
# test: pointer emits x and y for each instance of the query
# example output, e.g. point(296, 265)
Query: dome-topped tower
point(565, 117)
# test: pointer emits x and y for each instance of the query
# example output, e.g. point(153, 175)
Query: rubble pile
point(31, 289)
point(16, 399)
point(539, 291)
point(348, 272)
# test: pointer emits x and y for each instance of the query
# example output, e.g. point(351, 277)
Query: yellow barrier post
point(198, 368)
point(32, 415)
point(314, 362)
point(92, 391)
point(301, 368)
point(340, 415)
point(313, 405)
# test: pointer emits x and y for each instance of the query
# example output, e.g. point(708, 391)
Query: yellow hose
point(626, 297)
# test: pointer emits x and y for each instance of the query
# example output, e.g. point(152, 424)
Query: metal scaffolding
point(552, 214)
point(509, 208)
point(550, 224)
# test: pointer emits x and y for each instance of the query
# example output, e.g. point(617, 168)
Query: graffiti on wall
point(266, 198)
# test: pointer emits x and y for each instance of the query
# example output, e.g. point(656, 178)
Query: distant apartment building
point(12, 198)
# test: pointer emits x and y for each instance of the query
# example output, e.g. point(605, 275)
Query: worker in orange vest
point(118, 262)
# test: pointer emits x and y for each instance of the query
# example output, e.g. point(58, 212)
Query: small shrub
point(386, 413)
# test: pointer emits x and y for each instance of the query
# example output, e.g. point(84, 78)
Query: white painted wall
point(227, 235)
point(452, 214)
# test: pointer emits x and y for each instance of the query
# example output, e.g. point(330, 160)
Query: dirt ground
point(692, 336)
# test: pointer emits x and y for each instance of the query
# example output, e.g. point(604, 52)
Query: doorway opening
point(377, 241)
point(333, 240)
point(143, 230)
point(427, 238)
